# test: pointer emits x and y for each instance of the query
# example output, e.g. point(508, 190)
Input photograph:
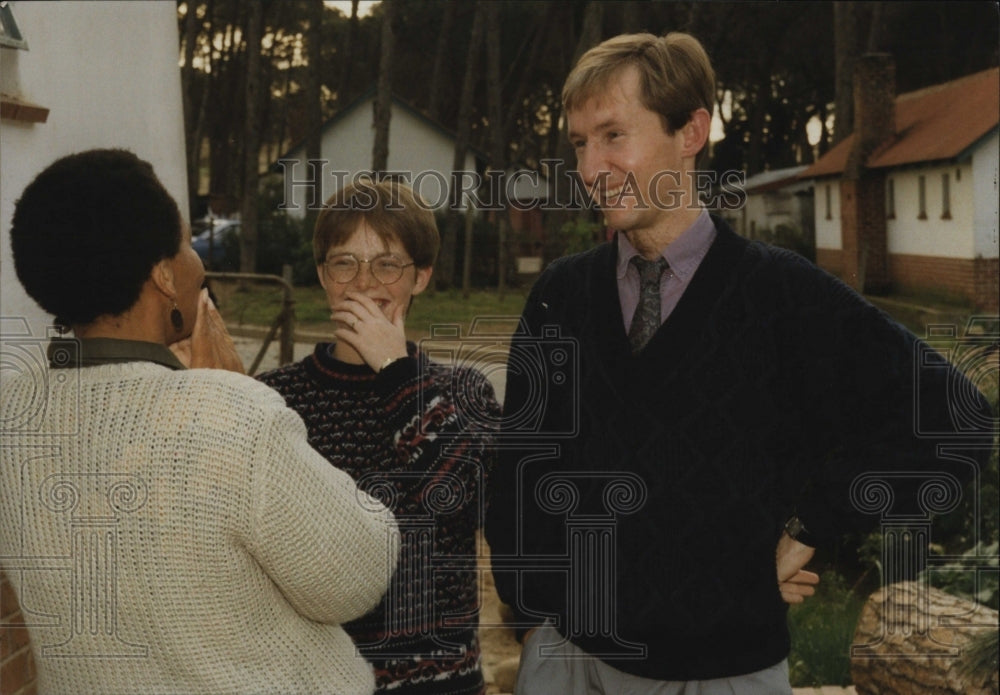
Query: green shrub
point(959, 579)
point(281, 240)
point(573, 237)
point(822, 630)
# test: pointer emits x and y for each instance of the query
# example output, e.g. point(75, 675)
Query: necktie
point(647, 313)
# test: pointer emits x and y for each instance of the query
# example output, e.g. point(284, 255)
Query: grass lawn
point(259, 305)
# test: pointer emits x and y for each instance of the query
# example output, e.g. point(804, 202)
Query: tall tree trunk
point(200, 122)
point(446, 263)
point(528, 70)
point(347, 59)
point(590, 36)
point(875, 28)
point(631, 17)
point(440, 58)
point(190, 114)
point(846, 48)
point(225, 176)
point(314, 105)
point(251, 140)
point(383, 99)
point(498, 143)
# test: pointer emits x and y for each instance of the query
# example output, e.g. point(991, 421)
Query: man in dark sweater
point(679, 401)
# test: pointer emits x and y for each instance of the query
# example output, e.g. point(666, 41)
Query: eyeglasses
point(344, 267)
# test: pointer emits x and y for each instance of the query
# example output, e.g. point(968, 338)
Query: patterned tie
point(647, 315)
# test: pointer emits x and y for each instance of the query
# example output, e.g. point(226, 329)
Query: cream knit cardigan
point(173, 532)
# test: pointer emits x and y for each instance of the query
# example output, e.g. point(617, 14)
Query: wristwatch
point(798, 532)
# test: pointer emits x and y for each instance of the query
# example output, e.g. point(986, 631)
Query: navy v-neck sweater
point(639, 498)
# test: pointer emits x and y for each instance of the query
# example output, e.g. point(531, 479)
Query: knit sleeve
point(887, 419)
point(441, 421)
point(330, 548)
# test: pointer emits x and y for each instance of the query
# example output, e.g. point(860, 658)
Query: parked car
point(217, 243)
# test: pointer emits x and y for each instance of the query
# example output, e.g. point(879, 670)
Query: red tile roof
point(933, 123)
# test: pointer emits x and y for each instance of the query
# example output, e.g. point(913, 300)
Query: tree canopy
point(776, 65)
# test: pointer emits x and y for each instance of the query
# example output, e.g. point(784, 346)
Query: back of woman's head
point(87, 232)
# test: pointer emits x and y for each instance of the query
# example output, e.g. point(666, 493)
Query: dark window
point(922, 197)
point(945, 197)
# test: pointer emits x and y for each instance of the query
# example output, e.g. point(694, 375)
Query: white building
point(75, 76)
point(774, 198)
point(920, 209)
point(85, 75)
point(421, 152)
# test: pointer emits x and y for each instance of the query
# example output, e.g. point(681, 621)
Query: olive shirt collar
point(90, 352)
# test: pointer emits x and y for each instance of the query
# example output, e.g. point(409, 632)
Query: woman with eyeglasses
point(412, 432)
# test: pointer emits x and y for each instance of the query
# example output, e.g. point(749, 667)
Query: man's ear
point(695, 132)
point(423, 279)
point(163, 278)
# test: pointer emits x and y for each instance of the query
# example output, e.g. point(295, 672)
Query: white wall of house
point(424, 152)
point(969, 230)
point(771, 209)
point(985, 176)
point(827, 214)
point(929, 232)
point(108, 73)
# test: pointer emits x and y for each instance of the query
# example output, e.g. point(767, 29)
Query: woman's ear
point(163, 278)
point(422, 280)
point(321, 275)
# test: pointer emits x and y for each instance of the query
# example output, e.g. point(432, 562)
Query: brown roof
point(933, 123)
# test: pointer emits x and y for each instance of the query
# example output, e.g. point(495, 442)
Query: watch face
point(793, 527)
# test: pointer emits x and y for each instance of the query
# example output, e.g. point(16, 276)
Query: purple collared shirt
point(684, 254)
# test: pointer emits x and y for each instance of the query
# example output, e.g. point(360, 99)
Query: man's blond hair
point(675, 75)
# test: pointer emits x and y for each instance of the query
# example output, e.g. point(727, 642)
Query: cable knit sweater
point(419, 436)
point(173, 532)
point(648, 490)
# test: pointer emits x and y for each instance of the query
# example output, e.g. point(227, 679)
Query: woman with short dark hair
point(166, 529)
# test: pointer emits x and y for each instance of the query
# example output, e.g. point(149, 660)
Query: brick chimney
point(862, 190)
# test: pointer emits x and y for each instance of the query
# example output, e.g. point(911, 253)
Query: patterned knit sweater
point(418, 436)
point(648, 491)
point(173, 532)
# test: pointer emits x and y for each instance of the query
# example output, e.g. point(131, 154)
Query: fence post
point(287, 351)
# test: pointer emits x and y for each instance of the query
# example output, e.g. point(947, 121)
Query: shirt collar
point(90, 352)
point(684, 253)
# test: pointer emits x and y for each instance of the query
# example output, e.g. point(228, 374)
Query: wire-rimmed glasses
point(387, 268)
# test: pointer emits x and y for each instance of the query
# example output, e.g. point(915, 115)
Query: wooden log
point(912, 638)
